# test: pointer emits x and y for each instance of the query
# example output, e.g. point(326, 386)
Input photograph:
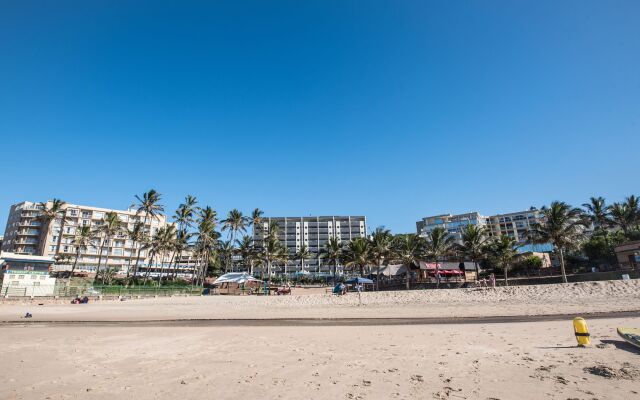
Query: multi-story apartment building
point(313, 232)
point(25, 233)
point(454, 224)
point(515, 224)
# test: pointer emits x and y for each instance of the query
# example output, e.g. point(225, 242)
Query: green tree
point(563, 226)
point(439, 243)
point(110, 227)
point(357, 254)
point(246, 250)
point(48, 214)
point(333, 252)
point(138, 238)
point(504, 251)
point(409, 250)
point(83, 238)
point(149, 206)
point(474, 241)
point(271, 250)
point(301, 255)
point(598, 211)
point(381, 247)
point(206, 242)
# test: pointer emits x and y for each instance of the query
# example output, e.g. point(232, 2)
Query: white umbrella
point(235, 277)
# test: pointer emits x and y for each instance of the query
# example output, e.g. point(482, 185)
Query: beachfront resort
point(81, 247)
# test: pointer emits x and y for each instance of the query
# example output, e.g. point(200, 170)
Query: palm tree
point(357, 254)
point(234, 223)
point(185, 212)
point(83, 238)
point(598, 212)
point(409, 250)
point(180, 244)
point(333, 252)
point(503, 250)
point(303, 254)
point(47, 215)
point(439, 243)
point(246, 251)
point(621, 217)
point(137, 236)
point(206, 240)
point(110, 227)
point(474, 241)
point(271, 249)
point(149, 205)
point(562, 225)
point(226, 250)
point(256, 218)
point(164, 243)
point(381, 245)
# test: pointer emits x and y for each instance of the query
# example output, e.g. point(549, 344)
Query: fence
point(62, 290)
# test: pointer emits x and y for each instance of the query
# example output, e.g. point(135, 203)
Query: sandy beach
point(524, 360)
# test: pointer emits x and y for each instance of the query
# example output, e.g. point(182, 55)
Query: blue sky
point(394, 110)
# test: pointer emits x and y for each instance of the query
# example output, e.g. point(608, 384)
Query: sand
point(569, 298)
point(529, 360)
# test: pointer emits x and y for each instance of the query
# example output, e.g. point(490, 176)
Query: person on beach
point(492, 279)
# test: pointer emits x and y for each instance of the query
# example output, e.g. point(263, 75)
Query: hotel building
point(25, 233)
point(515, 224)
point(313, 232)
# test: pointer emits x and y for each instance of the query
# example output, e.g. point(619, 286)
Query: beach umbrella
point(359, 280)
point(235, 277)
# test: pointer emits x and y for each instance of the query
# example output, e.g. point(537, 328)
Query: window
point(20, 276)
point(12, 277)
point(36, 283)
point(98, 215)
point(42, 277)
point(52, 248)
point(15, 283)
point(34, 277)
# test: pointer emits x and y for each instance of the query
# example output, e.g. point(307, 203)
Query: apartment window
point(52, 248)
point(65, 249)
point(42, 277)
point(15, 283)
point(12, 277)
point(86, 222)
point(98, 215)
point(20, 276)
point(34, 277)
point(36, 283)
point(117, 252)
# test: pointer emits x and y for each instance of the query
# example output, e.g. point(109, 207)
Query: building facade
point(313, 232)
point(25, 233)
point(454, 224)
point(515, 225)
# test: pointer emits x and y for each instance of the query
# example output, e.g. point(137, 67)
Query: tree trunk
point(269, 276)
point(99, 261)
point(408, 276)
point(106, 260)
point(73, 268)
point(437, 274)
point(144, 226)
point(506, 279)
point(564, 273)
point(378, 276)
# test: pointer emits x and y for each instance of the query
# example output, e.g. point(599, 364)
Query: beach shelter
point(235, 277)
point(359, 280)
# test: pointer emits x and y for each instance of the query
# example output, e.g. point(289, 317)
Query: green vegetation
point(579, 237)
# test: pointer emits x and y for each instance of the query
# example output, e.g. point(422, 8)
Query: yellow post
point(581, 331)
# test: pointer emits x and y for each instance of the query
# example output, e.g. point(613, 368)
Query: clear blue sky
point(394, 110)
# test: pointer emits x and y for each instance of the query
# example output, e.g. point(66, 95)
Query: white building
point(26, 275)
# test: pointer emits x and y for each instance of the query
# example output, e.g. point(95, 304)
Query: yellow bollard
point(581, 331)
